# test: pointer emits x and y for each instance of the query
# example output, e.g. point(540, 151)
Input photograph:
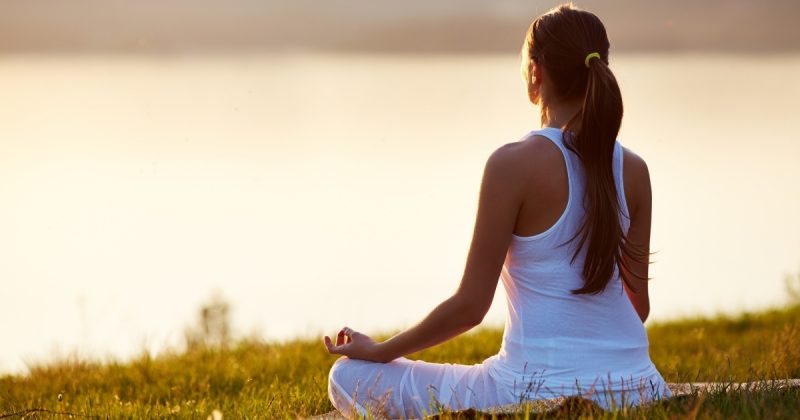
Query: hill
point(254, 379)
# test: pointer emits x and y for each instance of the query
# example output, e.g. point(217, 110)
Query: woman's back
point(554, 337)
point(556, 343)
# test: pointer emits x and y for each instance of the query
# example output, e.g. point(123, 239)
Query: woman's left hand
point(354, 345)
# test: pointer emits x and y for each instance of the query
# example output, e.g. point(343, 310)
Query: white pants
point(405, 388)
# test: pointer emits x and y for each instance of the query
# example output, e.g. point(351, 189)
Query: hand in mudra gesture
point(354, 345)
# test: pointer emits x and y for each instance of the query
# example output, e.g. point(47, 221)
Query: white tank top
point(557, 337)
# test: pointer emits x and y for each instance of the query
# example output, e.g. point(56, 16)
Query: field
point(253, 379)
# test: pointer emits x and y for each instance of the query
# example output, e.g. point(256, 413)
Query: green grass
point(253, 379)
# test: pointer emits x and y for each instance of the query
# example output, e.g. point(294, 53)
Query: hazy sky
point(138, 176)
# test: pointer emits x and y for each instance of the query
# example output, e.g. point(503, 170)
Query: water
point(315, 190)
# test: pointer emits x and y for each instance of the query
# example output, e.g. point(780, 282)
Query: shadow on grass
point(764, 400)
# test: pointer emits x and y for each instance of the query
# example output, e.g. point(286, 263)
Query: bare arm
point(640, 204)
point(498, 206)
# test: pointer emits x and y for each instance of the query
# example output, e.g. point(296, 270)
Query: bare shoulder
point(524, 157)
point(636, 179)
point(634, 164)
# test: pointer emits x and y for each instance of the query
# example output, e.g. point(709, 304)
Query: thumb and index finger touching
point(344, 337)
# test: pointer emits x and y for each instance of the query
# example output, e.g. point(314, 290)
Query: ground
point(256, 379)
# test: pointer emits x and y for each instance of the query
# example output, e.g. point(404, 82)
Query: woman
point(564, 220)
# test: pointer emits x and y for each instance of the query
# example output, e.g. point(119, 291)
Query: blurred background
point(308, 164)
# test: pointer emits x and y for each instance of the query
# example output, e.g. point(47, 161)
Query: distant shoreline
point(300, 52)
point(414, 26)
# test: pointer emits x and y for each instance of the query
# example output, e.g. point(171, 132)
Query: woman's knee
point(338, 378)
point(337, 369)
point(338, 390)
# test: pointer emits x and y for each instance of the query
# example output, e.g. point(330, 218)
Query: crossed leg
point(405, 388)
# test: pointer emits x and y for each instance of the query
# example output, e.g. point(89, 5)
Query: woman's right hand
point(355, 345)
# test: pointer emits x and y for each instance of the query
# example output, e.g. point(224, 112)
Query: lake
point(319, 190)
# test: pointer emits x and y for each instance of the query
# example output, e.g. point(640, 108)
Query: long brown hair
point(561, 41)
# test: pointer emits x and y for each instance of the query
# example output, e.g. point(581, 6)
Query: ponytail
point(592, 135)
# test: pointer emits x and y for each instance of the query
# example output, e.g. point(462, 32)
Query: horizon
point(198, 26)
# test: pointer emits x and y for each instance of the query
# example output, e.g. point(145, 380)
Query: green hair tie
point(589, 57)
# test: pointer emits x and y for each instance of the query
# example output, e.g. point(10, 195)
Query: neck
point(558, 114)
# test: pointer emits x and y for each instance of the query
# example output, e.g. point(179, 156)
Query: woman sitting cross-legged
point(564, 220)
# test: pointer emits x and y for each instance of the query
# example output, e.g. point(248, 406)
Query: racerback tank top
point(562, 342)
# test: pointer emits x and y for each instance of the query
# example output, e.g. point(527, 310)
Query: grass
point(253, 379)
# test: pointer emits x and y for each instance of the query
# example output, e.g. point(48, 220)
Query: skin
point(523, 191)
